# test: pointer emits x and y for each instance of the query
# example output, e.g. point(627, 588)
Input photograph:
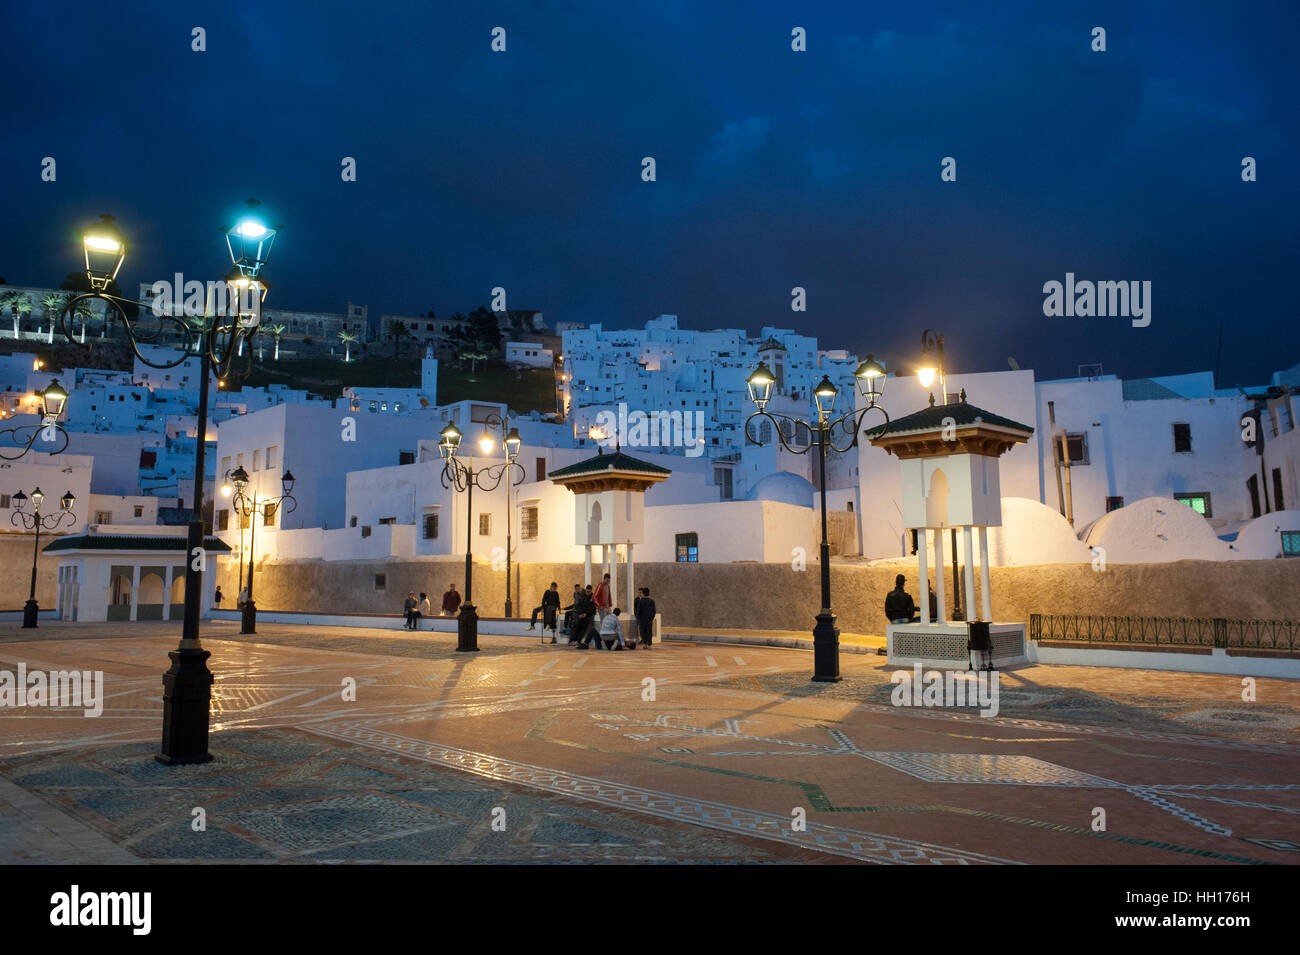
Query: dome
point(785, 487)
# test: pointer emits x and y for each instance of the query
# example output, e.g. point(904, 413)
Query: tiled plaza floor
point(687, 753)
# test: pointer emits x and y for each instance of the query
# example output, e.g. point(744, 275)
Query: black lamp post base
point(467, 629)
point(30, 612)
point(187, 695)
point(826, 649)
point(249, 618)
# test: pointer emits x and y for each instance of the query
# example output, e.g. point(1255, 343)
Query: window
point(1277, 490)
point(149, 460)
point(1078, 445)
point(1114, 504)
point(405, 457)
point(223, 519)
point(353, 522)
point(528, 522)
point(388, 520)
point(1252, 488)
point(139, 510)
point(103, 517)
point(365, 530)
point(484, 525)
point(268, 515)
point(257, 460)
point(722, 478)
point(688, 548)
point(1182, 438)
point(381, 581)
point(1199, 502)
point(273, 456)
point(431, 526)
point(1291, 543)
point(4, 500)
point(541, 469)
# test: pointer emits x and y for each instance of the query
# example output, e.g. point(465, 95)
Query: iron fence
point(1215, 632)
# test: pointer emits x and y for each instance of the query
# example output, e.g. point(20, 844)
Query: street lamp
point(499, 424)
point(465, 477)
point(227, 320)
point(35, 521)
point(933, 367)
point(247, 506)
point(870, 379)
point(52, 400)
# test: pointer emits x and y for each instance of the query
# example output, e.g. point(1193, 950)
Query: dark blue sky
point(775, 168)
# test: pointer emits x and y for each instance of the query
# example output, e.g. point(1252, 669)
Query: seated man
point(899, 606)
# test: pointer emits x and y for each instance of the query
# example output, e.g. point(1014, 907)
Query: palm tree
point(6, 300)
point(83, 311)
point(347, 338)
point(277, 331)
point(53, 304)
point(23, 306)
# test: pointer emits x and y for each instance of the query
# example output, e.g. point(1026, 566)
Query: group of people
point(590, 620)
point(414, 609)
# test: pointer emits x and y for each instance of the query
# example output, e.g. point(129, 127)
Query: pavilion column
point(167, 593)
point(939, 595)
point(969, 575)
point(613, 576)
point(631, 579)
point(986, 599)
point(135, 591)
point(586, 567)
point(923, 571)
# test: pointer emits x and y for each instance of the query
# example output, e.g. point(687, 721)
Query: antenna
point(1014, 365)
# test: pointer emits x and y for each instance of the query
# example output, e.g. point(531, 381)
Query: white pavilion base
point(943, 645)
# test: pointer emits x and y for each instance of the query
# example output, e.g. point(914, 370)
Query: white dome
point(1156, 529)
point(784, 487)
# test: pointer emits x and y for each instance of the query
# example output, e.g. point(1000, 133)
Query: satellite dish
point(424, 402)
point(1015, 365)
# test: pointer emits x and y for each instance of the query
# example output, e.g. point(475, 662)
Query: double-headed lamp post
point(465, 477)
point(870, 377)
point(35, 520)
point(233, 312)
point(500, 424)
point(247, 506)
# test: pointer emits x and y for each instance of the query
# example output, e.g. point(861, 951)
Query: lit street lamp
point(870, 377)
point(53, 399)
point(465, 477)
point(248, 506)
point(499, 424)
point(233, 312)
point(35, 521)
point(932, 344)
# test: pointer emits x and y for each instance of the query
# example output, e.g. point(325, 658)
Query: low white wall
point(1216, 661)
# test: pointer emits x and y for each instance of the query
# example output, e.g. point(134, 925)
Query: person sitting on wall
point(899, 606)
point(424, 610)
point(450, 601)
point(408, 609)
point(550, 604)
point(571, 610)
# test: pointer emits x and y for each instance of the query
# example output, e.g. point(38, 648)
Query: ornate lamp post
point(247, 506)
point(233, 312)
point(870, 377)
point(500, 424)
point(35, 521)
point(53, 399)
point(465, 477)
point(931, 368)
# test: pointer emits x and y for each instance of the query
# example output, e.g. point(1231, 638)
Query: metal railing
point(1215, 632)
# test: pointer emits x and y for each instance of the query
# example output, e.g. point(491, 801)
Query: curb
point(789, 643)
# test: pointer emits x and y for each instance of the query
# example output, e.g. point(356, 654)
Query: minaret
point(429, 375)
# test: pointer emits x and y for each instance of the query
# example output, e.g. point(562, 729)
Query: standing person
point(450, 601)
point(899, 606)
point(217, 598)
point(550, 604)
point(644, 611)
point(569, 611)
point(408, 609)
point(425, 609)
point(602, 597)
point(611, 631)
point(584, 609)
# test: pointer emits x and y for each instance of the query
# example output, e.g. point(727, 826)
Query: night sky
point(775, 169)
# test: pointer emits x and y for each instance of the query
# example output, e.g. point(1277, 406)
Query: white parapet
point(943, 645)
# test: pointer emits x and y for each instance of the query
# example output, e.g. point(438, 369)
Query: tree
point(53, 304)
point(10, 301)
point(478, 339)
point(347, 338)
point(397, 331)
point(77, 283)
point(277, 331)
